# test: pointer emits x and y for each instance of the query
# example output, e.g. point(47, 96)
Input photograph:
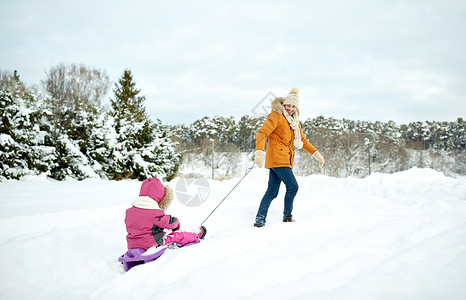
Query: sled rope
point(249, 170)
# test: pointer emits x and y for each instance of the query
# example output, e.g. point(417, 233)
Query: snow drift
point(397, 236)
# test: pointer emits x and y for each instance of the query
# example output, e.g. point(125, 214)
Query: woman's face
point(290, 109)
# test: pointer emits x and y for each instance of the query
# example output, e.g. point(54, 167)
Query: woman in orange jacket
point(284, 132)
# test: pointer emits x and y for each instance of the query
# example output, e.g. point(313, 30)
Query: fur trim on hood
point(154, 189)
point(167, 199)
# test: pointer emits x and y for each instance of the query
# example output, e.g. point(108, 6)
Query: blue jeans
point(276, 176)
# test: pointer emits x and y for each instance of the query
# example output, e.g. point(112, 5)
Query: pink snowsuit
point(146, 222)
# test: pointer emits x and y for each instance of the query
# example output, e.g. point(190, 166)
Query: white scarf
point(294, 123)
point(145, 202)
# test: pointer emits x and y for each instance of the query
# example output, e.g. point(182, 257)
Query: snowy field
point(397, 236)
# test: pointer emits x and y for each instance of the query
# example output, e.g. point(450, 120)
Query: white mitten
point(259, 157)
point(319, 158)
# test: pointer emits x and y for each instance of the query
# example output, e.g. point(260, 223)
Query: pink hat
point(153, 188)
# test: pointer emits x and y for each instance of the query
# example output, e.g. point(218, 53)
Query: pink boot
point(181, 237)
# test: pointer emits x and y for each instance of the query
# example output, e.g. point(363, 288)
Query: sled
point(135, 256)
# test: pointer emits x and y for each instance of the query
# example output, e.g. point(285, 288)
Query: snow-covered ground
point(388, 236)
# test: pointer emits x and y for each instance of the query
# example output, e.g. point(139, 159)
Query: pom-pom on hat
point(154, 189)
point(292, 98)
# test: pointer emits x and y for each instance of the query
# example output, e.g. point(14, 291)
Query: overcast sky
point(361, 60)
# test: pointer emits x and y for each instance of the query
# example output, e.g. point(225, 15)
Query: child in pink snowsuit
point(146, 221)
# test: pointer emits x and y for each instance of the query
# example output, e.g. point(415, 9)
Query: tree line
point(447, 136)
point(68, 131)
point(351, 148)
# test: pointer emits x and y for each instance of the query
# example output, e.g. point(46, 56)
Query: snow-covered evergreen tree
point(70, 112)
point(13, 138)
point(21, 147)
point(79, 149)
point(140, 148)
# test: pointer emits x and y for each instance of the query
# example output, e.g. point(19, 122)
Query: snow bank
point(397, 236)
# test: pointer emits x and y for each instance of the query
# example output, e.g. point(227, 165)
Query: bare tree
point(73, 88)
point(68, 83)
point(89, 85)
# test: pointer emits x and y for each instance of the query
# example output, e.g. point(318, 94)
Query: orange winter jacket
point(280, 150)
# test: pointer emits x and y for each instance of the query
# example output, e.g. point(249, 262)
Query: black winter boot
point(202, 232)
